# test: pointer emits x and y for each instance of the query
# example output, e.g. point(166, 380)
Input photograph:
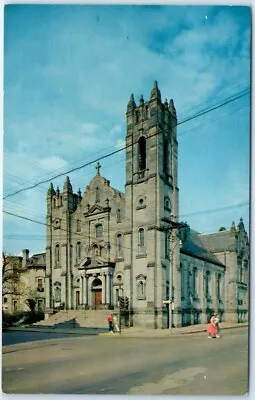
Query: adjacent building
point(23, 278)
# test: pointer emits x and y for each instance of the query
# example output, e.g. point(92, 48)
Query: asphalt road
point(13, 337)
point(190, 364)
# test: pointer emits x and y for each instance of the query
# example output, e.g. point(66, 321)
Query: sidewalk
point(192, 329)
point(130, 332)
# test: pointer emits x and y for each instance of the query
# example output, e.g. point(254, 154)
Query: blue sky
point(68, 75)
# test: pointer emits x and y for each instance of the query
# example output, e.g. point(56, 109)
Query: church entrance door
point(97, 293)
point(97, 298)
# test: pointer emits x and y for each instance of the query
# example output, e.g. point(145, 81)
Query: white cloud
point(52, 163)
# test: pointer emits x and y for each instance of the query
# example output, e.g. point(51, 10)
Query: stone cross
point(98, 166)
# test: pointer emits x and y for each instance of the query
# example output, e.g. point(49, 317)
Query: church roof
point(219, 241)
point(195, 247)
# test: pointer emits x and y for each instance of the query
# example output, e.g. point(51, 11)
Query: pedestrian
point(110, 323)
point(217, 323)
point(212, 328)
point(116, 323)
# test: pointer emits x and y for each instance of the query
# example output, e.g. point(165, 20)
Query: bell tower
point(151, 199)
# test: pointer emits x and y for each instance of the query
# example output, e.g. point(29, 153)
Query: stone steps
point(82, 318)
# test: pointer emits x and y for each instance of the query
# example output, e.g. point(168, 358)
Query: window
point(194, 282)
point(78, 252)
point(119, 245)
point(141, 287)
point(141, 241)
point(207, 285)
point(58, 293)
point(118, 216)
point(57, 254)
point(99, 231)
point(189, 283)
point(40, 285)
point(167, 204)
point(166, 157)
point(97, 195)
point(142, 153)
point(218, 286)
point(167, 245)
point(78, 226)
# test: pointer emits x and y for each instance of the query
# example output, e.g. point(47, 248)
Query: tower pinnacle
point(155, 93)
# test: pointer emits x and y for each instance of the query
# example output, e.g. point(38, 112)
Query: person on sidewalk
point(217, 323)
point(212, 328)
point(116, 323)
point(110, 323)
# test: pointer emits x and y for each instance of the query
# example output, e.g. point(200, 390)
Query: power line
point(92, 191)
point(199, 114)
point(245, 203)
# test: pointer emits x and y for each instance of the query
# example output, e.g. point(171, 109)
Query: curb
point(115, 334)
point(167, 335)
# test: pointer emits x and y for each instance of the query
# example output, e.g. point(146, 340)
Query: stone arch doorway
point(96, 288)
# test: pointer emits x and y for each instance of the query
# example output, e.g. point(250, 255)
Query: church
point(104, 246)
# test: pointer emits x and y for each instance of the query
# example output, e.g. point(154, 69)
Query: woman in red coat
point(212, 328)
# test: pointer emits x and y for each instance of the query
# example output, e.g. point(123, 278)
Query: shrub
point(29, 317)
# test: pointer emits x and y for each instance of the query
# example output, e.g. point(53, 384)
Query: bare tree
point(11, 272)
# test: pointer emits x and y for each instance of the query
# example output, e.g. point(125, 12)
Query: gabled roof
point(195, 247)
point(219, 241)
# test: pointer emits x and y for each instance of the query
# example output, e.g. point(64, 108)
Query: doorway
point(97, 293)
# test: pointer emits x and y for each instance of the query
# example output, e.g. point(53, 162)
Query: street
point(187, 364)
point(13, 337)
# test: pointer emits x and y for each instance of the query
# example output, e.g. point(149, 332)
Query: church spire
point(67, 186)
point(51, 191)
point(131, 104)
point(172, 108)
point(155, 93)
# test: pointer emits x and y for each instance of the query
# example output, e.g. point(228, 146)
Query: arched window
point(97, 195)
point(118, 215)
point(141, 287)
point(78, 226)
point(141, 241)
point(166, 157)
point(78, 252)
point(142, 153)
point(99, 230)
point(119, 245)
point(57, 292)
point(57, 254)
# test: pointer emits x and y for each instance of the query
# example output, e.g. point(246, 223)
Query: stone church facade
point(105, 245)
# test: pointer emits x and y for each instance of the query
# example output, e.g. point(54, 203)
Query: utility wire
point(92, 191)
point(199, 114)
